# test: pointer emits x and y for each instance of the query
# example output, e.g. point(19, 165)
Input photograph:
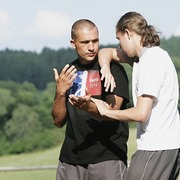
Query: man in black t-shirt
point(92, 148)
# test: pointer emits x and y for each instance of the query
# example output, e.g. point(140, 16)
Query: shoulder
point(117, 67)
point(156, 51)
point(115, 64)
point(155, 55)
point(74, 62)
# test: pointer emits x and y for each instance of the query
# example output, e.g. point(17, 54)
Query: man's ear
point(72, 43)
point(128, 33)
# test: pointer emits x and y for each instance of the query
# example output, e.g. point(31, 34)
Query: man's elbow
point(58, 121)
point(141, 117)
point(58, 124)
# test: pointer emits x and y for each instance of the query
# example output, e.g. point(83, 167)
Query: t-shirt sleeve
point(151, 76)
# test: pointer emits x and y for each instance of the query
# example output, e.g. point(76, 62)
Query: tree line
point(27, 90)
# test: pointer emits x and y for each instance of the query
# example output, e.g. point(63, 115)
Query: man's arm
point(59, 110)
point(63, 83)
point(105, 56)
point(139, 113)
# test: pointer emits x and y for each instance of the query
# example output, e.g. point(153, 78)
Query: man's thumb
point(55, 73)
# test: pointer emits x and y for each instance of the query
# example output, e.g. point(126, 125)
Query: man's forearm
point(59, 111)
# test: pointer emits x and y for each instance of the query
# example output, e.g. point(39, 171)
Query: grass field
point(43, 158)
point(48, 157)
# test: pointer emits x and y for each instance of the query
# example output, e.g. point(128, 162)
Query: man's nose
point(91, 46)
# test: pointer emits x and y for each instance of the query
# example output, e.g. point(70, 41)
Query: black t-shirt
point(89, 140)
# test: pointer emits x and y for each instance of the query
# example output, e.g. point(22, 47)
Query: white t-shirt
point(155, 75)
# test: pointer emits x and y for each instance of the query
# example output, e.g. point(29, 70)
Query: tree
point(45, 105)
point(24, 122)
point(6, 100)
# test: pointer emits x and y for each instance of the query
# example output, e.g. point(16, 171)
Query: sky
point(31, 25)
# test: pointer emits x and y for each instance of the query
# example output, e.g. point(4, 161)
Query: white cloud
point(49, 24)
point(5, 26)
point(3, 17)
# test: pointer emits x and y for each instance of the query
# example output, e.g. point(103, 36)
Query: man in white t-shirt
point(155, 94)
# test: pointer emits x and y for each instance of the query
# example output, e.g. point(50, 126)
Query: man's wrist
point(60, 94)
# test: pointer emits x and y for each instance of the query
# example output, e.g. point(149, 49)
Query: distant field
point(43, 158)
point(48, 157)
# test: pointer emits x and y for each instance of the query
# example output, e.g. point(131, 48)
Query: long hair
point(134, 21)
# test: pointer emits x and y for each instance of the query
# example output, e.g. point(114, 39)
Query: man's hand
point(65, 79)
point(109, 79)
point(81, 102)
point(102, 106)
